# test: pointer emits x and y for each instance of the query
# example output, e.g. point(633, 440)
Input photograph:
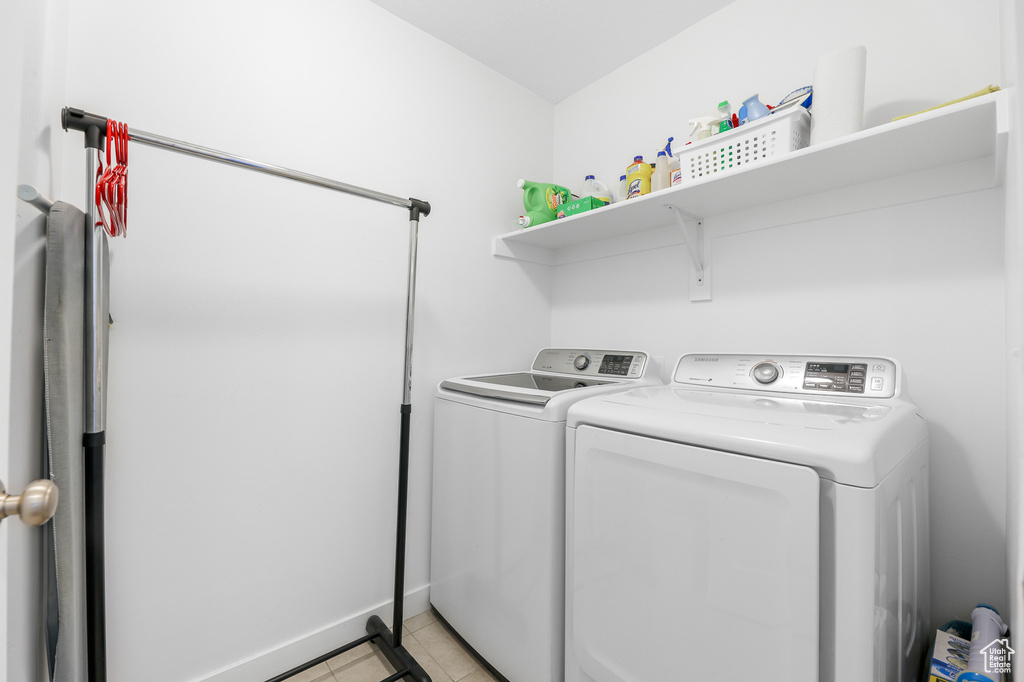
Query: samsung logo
point(699, 359)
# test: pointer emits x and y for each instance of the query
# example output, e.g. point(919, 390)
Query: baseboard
point(306, 648)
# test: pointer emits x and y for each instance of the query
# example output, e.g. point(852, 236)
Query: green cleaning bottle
point(541, 202)
point(725, 111)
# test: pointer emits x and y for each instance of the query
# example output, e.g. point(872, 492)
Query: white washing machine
point(497, 559)
point(759, 518)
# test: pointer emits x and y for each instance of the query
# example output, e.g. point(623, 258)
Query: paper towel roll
point(838, 99)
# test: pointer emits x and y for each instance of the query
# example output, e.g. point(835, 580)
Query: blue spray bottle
point(674, 174)
point(664, 168)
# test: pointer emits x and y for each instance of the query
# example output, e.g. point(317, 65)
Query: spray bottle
point(703, 127)
point(675, 175)
point(541, 202)
point(660, 178)
point(725, 111)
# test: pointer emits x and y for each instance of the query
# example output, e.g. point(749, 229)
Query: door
point(691, 563)
point(32, 65)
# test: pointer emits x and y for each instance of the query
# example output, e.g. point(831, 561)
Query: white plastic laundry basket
point(766, 138)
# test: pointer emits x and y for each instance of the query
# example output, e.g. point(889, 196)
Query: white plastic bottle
point(661, 179)
point(593, 187)
point(623, 189)
point(675, 175)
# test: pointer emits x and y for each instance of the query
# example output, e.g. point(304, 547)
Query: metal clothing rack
point(95, 127)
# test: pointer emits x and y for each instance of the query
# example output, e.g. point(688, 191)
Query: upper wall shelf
point(956, 149)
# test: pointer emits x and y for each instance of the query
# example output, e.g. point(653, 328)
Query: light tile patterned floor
point(425, 637)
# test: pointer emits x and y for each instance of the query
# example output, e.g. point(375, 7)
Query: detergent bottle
point(541, 202)
point(725, 112)
point(638, 178)
point(661, 178)
point(703, 127)
point(595, 188)
point(752, 110)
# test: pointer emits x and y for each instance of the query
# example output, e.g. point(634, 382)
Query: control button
point(581, 362)
point(878, 368)
point(765, 373)
point(856, 382)
point(856, 373)
point(876, 383)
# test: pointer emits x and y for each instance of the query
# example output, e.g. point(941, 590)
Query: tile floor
point(429, 641)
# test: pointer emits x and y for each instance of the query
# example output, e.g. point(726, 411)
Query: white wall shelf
point(956, 149)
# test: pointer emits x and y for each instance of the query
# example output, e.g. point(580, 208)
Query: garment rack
point(95, 127)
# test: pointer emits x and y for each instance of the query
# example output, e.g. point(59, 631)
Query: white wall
point(921, 282)
point(256, 352)
point(31, 80)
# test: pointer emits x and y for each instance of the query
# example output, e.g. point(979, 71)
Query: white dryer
point(497, 553)
point(760, 518)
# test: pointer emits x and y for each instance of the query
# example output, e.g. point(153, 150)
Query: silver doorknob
point(35, 506)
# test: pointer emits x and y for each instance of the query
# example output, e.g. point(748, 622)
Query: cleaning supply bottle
point(725, 112)
point(703, 127)
point(752, 110)
point(675, 175)
point(660, 178)
point(595, 188)
point(638, 178)
point(623, 190)
point(541, 202)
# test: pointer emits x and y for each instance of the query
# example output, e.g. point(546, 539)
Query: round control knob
point(581, 362)
point(765, 373)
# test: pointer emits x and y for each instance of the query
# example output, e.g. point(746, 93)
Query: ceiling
point(552, 47)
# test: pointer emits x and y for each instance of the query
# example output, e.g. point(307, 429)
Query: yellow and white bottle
point(638, 178)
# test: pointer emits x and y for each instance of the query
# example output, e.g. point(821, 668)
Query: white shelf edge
point(647, 240)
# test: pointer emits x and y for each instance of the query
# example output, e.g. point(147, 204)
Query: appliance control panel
point(867, 377)
point(594, 363)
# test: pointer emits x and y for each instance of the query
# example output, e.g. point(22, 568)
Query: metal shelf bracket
point(692, 229)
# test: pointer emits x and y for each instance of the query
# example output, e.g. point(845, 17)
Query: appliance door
point(691, 563)
point(521, 387)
